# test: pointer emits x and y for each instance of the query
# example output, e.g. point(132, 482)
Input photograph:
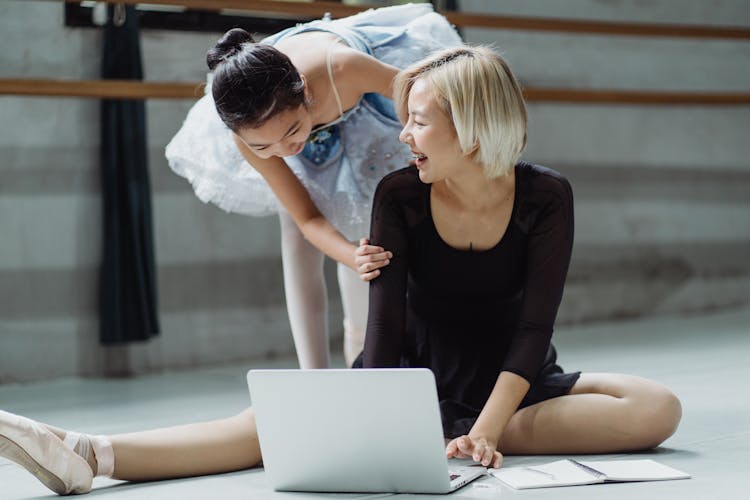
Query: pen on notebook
point(588, 469)
point(545, 473)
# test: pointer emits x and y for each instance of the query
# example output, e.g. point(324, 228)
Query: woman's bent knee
point(667, 416)
point(655, 417)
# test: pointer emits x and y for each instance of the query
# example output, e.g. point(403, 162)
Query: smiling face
point(430, 135)
point(284, 134)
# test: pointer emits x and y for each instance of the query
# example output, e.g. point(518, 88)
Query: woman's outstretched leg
point(306, 296)
point(604, 413)
point(187, 450)
point(354, 299)
point(199, 449)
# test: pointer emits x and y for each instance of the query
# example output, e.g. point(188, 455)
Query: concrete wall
point(662, 193)
point(220, 287)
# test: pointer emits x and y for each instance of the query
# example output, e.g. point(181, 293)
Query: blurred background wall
point(662, 192)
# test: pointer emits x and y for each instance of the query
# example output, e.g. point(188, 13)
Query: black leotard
point(468, 315)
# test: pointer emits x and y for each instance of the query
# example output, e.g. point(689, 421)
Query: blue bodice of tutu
point(322, 144)
point(343, 161)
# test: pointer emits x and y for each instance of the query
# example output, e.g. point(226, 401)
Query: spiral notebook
point(575, 473)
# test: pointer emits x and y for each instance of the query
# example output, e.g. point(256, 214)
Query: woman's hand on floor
point(479, 449)
point(370, 259)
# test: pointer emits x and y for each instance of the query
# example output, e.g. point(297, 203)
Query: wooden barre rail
point(318, 8)
point(659, 98)
point(102, 89)
point(129, 89)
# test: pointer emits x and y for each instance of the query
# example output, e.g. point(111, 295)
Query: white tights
point(307, 304)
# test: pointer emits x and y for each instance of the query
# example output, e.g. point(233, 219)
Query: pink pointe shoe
point(44, 455)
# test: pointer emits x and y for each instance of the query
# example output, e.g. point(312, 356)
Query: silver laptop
point(353, 431)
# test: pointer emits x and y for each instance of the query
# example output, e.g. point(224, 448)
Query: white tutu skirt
point(340, 173)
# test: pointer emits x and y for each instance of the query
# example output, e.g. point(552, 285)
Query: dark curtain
point(127, 298)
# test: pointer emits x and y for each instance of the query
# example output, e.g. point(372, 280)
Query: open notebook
point(574, 473)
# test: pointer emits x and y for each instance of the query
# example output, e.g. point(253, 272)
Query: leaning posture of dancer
point(481, 246)
point(302, 124)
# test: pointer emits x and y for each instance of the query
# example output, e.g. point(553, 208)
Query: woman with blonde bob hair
point(481, 244)
point(483, 99)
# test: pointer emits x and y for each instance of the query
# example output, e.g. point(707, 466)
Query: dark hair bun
point(229, 45)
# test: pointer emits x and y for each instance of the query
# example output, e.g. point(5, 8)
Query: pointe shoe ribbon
point(44, 455)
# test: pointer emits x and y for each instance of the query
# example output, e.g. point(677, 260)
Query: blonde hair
point(477, 91)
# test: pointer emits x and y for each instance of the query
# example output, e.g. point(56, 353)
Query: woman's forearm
point(297, 201)
point(503, 402)
point(320, 233)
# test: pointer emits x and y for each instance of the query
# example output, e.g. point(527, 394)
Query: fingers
point(487, 455)
point(369, 276)
point(461, 447)
point(465, 447)
point(365, 249)
point(451, 449)
point(479, 450)
point(497, 461)
point(370, 251)
point(369, 259)
point(368, 268)
point(484, 454)
point(373, 258)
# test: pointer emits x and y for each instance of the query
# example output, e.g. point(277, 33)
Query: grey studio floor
point(703, 358)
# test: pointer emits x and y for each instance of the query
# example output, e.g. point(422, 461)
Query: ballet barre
point(465, 19)
point(130, 89)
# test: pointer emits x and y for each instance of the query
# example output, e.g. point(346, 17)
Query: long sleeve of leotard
point(386, 321)
point(547, 216)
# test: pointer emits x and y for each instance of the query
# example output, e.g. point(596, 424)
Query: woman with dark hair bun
point(252, 82)
point(302, 123)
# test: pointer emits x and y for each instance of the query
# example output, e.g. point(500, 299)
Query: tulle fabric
point(339, 170)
